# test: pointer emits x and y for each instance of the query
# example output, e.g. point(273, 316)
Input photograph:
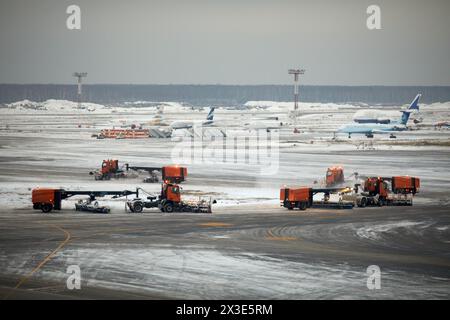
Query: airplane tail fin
point(210, 115)
point(159, 112)
point(413, 106)
point(405, 116)
point(415, 103)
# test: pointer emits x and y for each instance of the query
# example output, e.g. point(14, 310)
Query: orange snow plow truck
point(380, 191)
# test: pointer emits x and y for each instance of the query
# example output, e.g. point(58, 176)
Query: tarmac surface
point(249, 248)
point(241, 253)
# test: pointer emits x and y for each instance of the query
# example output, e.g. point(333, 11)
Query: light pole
point(296, 73)
point(79, 75)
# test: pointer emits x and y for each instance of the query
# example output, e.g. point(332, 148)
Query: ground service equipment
point(302, 198)
point(110, 169)
point(380, 191)
point(47, 199)
point(169, 201)
point(334, 176)
point(89, 206)
point(173, 174)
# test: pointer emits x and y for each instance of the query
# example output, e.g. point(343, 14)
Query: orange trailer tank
point(405, 184)
point(46, 199)
point(300, 197)
point(175, 174)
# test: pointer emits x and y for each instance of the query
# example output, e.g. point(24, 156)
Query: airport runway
point(241, 253)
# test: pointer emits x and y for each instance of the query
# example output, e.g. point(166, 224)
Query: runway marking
point(271, 236)
point(215, 224)
point(43, 262)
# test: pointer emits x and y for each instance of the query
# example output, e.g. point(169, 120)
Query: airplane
point(157, 119)
point(363, 117)
point(181, 124)
point(369, 129)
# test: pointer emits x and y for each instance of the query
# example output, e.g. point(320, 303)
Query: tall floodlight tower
point(80, 76)
point(296, 72)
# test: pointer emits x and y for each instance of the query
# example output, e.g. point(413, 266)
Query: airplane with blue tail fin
point(189, 124)
point(369, 129)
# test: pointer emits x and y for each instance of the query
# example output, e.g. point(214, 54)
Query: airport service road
point(238, 252)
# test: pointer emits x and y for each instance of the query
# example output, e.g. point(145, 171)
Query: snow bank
point(279, 106)
point(61, 106)
point(276, 106)
point(52, 105)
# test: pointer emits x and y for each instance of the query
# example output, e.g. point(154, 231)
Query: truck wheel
point(363, 202)
point(302, 206)
point(168, 208)
point(46, 207)
point(137, 207)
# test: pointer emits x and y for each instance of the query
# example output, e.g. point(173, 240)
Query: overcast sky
point(226, 42)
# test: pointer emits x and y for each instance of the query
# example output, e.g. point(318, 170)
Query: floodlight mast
point(296, 73)
point(80, 76)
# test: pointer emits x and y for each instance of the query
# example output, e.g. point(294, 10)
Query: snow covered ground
point(56, 134)
point(50, 144)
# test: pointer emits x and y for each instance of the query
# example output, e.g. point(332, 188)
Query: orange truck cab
point(405, 184)
point(46, 199)
point(171, 192)
point(300, 197)
point(376, 186)
point(335, 175)
point(109, 166)
point(174, 174)
point(170, 199)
